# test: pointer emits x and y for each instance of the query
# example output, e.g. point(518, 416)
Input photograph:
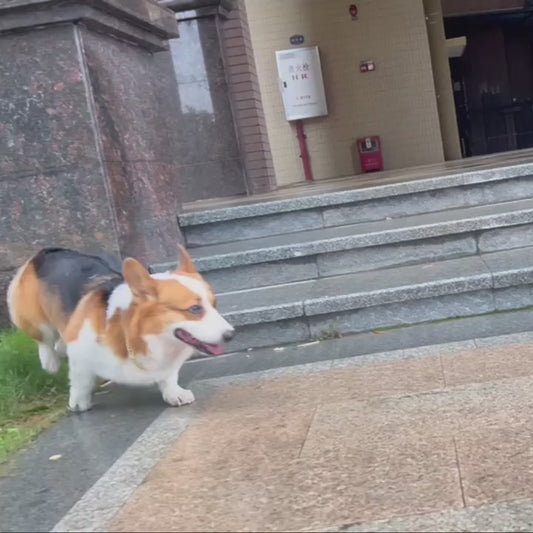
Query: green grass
point(30, 399)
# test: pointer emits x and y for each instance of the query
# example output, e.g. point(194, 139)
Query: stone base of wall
point(5, 278)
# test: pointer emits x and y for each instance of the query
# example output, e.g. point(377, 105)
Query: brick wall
point(397, 101)
point(246, 101)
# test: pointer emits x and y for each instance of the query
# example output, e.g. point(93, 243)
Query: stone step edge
point(483, 280)
point(325, 199)
point(356, 240)
point(405, 342)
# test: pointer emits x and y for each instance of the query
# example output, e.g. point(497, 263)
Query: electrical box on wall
point(367, 66)
point(301, 83)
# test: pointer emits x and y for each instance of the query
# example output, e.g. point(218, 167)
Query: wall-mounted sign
point(353, 11)
point(301, 83)
point(297, 39)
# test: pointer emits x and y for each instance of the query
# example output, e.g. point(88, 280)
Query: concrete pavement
point(434, 438)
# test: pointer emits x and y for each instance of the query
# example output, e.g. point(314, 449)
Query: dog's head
point(175, 307)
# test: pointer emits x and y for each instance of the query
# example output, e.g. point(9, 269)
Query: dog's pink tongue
point(216, 349)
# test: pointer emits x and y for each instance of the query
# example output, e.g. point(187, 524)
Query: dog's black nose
point(228, 335)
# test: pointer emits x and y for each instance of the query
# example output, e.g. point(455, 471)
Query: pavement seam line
point(308, 430)
point(461, 484)
point(443, 373)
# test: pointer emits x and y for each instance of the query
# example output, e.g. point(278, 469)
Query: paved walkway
point(430, 439)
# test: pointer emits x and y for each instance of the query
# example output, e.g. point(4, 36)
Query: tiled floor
point(369, 180)
point(417, 438)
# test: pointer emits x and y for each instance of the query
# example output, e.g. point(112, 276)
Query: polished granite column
point(210, 158)
point(88, 130)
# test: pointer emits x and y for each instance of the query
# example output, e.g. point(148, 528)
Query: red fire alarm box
point(370, 154)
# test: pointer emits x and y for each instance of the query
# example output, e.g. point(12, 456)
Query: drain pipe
point(304, 154)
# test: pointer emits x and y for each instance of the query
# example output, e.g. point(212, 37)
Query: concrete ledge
point(140, 21)
point(371, 210)
point(336, 239)
point(510, 268)
point(368, 289)
point(408, 342)
point(192, 9)
point(354, 195)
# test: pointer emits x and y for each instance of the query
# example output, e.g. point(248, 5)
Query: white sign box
point(301, 83)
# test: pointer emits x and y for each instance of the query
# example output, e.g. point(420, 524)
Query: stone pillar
point(88, 132)
point(227, 151)
point(442, 80)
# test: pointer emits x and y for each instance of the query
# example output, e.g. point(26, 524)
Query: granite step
point(355, 303)
point(404, 342)
point(360, 247)
point(253, 219)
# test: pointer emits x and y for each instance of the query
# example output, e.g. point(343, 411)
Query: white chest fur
point(88, 355)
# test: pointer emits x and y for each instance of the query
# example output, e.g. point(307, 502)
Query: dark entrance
point(493, 80)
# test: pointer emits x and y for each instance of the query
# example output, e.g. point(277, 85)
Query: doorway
point(493, 81)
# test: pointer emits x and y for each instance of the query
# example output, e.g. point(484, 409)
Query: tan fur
point(169, 304)
point(91, 308)
point(110, 333)
point(31, 307)
point(185, 264)
point(186, 268)
point(140, 335)
point(156, 304)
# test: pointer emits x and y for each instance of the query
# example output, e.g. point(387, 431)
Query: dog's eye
point(196, 310)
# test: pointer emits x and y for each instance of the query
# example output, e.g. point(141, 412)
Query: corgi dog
point(115, 321)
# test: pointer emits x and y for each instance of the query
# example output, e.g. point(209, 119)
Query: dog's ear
point(185, 263)
point(140, 282)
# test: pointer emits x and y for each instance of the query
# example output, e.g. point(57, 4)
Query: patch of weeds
point(329, 335)
point(30, 399)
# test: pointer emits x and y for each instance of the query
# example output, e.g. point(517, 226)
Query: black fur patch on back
point(71, 274)
point(104, 286)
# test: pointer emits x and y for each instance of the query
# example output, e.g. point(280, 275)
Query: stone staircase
point(340, 263)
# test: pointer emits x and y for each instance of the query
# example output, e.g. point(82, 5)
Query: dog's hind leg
point(49, 358)
point(26, 312)
point(60, 348)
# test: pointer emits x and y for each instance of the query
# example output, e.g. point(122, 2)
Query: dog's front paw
point(80, 404)
point(177, 396)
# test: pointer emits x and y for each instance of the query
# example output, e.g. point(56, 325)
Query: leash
point(132, 356)
point(129, 350)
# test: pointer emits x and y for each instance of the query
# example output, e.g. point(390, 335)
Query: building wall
point(397, 101)
point(442, 79)
point(248, 113)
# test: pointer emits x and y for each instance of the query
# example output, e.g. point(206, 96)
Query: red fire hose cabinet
point(370, 154)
